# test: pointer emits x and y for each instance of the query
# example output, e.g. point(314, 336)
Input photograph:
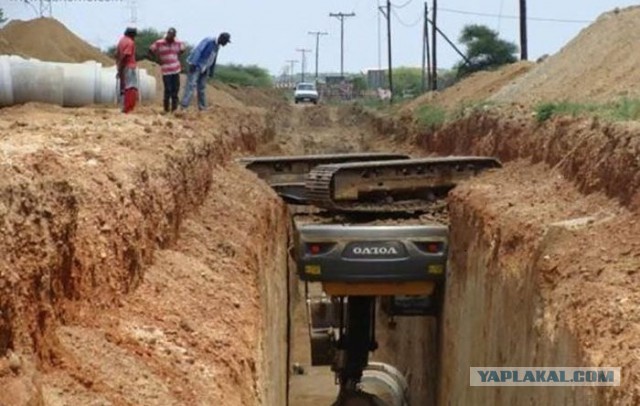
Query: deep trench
point(497, 301)
point(507, 301)
point(408, 343)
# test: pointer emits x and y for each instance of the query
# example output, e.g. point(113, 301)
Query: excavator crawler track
point(409, 185)
point(287, 174)
point(274, 168)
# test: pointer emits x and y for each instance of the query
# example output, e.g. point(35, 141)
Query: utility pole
point(292, 72)
point(304, 60)
point(317, 34)
point(379, 39)
point(386, 11)
point(434, 36)
point(455, 48)
point(524, 52)
point(425, 28)
point(427, 46)
point(389, 42)
point(341, 17)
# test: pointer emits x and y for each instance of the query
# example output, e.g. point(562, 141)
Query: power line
point(408, 25)
point(553, 20)
point(402, 5)
point(500, 15)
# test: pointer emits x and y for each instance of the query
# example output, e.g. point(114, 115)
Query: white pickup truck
point(306, 92)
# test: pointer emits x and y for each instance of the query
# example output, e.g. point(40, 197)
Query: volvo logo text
point(375, 251)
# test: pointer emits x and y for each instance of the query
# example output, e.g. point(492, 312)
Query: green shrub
point(243, 75)
point(431, 116)
point(545, 111)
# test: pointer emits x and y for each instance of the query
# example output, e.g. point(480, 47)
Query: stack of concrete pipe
point(65, 84)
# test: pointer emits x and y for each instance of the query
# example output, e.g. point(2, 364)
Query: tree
point(2, 17)
point(243, 75)
point(484, 49)
point(407, 81)
point(359, 84)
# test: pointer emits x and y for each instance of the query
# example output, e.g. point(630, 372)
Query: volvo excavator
point(368, 227)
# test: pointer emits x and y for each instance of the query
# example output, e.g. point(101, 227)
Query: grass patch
point(467, 108)
point(373, 103)
point(622, 110)
point(243, 75)
point(626, 110)
point(431, 116)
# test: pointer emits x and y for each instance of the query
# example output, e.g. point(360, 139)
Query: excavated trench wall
point(543, 261)
point(75, 243)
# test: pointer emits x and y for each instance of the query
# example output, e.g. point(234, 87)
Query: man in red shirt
point(168, 51)
point(126, 64)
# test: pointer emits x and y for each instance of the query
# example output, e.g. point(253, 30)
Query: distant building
point(333, 80)
point(377, 78)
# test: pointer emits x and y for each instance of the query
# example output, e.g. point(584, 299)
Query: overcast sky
point(267, 33)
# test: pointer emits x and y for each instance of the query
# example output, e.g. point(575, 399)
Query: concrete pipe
point(390, 378)
point(96, 85)
point(147, 85)
point(373, 379)
point(64, 84)
point(106, 91)
point(37, 82)
point(79, 83)
point(6, 83)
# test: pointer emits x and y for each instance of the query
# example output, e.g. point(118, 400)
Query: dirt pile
point(49, 40)
point(5, 46)
point(254, 96)
point(89, 199)
point(600, 64)
point(476, 88)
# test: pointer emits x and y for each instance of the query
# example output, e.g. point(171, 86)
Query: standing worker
point(126, 63)
point(202, 63)
point(168, 51)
